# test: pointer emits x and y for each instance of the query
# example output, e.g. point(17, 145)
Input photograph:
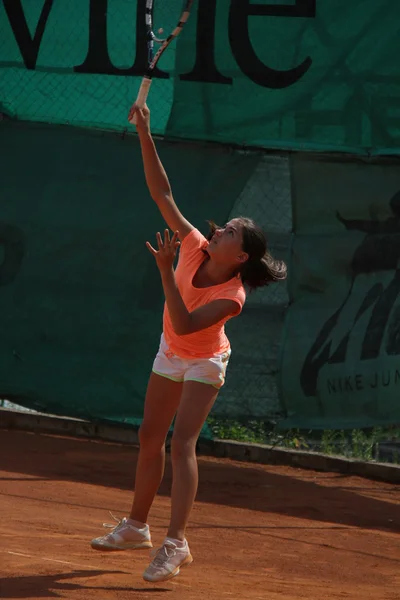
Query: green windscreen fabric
point(80, 295)
point(298, 74)
point(340, 362)
point(81, 299)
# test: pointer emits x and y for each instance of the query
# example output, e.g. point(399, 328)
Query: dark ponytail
point(261, 268)
point(259, 272)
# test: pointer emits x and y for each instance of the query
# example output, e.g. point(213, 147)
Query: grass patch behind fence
point(357, 443)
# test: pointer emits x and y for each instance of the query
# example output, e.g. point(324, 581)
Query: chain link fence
point(251, 390)
point(70, 63)
point(85, 63)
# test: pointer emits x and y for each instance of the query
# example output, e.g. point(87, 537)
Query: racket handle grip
point(142, 96)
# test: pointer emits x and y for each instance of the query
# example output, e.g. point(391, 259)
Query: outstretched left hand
point(165, 255)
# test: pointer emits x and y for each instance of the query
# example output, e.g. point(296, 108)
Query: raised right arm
point(156, 177)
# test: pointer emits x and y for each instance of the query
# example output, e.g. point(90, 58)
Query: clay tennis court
point(262, 532)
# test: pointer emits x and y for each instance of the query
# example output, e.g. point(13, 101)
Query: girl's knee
point(182, 447)
point(150, 440)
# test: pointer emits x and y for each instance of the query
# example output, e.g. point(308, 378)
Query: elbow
point(181, 331)
point(184, 327)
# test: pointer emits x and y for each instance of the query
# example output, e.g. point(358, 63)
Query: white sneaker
point(124, 536)
point(167, 562)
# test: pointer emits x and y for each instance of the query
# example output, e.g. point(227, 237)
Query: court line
point(63, 562)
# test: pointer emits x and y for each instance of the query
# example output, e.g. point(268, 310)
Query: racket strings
point(152, 37)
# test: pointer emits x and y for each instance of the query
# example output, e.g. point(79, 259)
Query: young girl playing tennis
point(205, 291)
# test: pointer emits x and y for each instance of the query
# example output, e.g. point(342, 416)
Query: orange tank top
point(213, 340)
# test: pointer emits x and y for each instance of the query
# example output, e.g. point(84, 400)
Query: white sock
point(143, 526)
point(178, 543)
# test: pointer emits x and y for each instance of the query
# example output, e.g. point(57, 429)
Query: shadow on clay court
point(49, 586)
point(224, 483)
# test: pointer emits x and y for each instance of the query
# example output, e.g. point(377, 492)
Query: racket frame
point(154, 58)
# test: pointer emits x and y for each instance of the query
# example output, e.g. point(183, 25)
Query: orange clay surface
point(265, 532)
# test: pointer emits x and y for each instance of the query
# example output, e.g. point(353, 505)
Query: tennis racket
point(164, 43)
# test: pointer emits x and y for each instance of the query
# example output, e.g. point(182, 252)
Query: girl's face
point(225, 247)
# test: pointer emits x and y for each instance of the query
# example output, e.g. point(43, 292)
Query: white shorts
point(204, 370)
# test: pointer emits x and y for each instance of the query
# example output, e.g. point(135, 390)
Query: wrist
point(167, 273)
point(144, 134)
